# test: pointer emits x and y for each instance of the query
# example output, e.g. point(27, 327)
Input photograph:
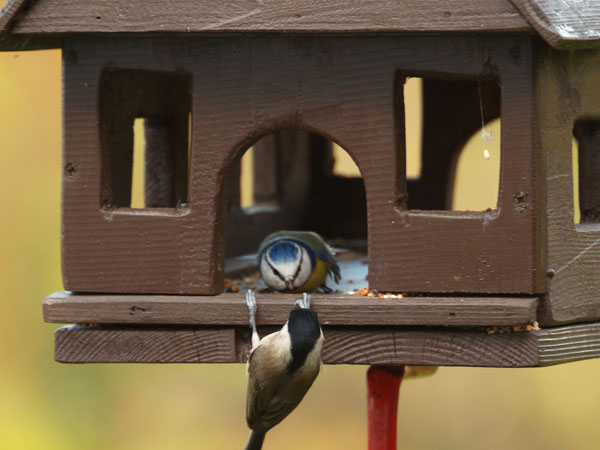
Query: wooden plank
point(569, 343)
point(84, 344)
point(184, 16)
point(343, 345)
point(333, 309)
point(563, 24)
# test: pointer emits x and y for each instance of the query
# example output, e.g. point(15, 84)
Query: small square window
point(448, 141)
point(145, 123)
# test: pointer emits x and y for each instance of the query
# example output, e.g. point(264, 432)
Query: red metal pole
point(383, 383)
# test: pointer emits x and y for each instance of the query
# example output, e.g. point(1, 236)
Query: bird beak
point(289, 284)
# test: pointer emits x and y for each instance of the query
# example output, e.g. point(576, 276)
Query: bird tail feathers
point(255, 441)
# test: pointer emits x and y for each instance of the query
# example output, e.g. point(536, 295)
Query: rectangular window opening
point(449, 142)
point(586, 172)
point(146, 135)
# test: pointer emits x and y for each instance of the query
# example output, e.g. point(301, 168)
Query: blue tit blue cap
point(283, 251)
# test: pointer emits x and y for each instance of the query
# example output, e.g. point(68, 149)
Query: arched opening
point(295, 180)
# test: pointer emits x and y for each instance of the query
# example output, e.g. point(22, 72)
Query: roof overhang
point(563, 24)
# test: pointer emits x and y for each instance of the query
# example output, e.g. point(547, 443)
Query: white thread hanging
point(486, 136)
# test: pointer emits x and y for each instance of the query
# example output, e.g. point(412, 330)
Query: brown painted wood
point(184, 16)
point(563, 24)
point(333, 309)
point(343, 345)
point(568, 91)
point(314, 84)
point(76, 344)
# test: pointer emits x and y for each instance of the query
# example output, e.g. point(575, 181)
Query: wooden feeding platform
point(460, 331)
point(359, 329)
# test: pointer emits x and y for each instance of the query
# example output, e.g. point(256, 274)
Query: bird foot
point(305, 301)
point(325, 289)
point(251, 303)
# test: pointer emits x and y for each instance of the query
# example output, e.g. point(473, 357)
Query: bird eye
point(276, 272)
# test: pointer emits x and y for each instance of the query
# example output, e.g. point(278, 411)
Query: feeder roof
point(562, 23)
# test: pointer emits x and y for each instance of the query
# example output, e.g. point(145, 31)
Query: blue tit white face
point(285, 266)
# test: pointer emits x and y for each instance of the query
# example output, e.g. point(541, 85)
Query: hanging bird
point(281, 368)
point(296, 261)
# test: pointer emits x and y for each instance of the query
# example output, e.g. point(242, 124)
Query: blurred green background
point(46, 405)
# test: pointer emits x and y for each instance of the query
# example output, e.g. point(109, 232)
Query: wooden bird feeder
point(210, 79)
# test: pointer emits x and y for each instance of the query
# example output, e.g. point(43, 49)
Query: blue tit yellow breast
point(316, 279)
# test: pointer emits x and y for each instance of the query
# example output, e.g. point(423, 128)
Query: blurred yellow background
point(46, 405)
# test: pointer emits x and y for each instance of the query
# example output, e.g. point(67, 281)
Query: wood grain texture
point(569, 343)
point(231, 309)
point(563, 24)
point(82, 344)
point(568, 90)
point(184, 16)
point(339, 87)
point(342, 345)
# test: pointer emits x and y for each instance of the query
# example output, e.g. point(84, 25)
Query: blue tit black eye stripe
point(299, 265)
point(275, 271)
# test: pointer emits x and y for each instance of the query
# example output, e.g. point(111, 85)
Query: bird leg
point(251, 302)
point(306, 298)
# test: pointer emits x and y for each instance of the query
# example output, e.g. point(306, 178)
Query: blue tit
point(296, 261)
point(282, 367)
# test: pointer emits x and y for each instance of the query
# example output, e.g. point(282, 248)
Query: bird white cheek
point(304, 273)
point(313, 360)
point(270, 278)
